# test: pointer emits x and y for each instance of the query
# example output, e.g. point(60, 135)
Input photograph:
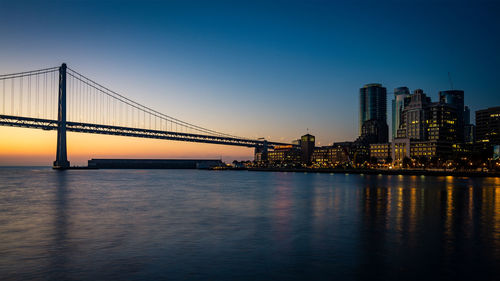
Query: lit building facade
point(414, 116)
point(429, 149)
point(380, 151)
point(488, 126)
point(402, 148)
point(328, 156)
point(443, 123)
point(284, 154)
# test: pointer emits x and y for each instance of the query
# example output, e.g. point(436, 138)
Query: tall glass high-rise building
point(398, 104)
point(372, 104)
point(455, 98)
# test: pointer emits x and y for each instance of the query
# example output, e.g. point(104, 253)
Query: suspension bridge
point(59, 98)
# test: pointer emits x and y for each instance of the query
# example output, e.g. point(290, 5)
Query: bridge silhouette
point(59, 98)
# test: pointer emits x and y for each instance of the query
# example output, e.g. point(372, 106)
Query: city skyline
point(272, 86)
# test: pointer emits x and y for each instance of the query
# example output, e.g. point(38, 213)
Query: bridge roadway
point(47, 124)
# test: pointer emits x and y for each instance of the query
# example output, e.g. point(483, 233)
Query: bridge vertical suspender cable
point(21, 97)
point(3, 96)
point(12, 97)
point(36, 99)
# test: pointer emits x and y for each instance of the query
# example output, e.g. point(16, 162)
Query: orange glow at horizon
point(20, 146)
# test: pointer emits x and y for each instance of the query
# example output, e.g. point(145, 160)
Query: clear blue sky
point(261, 68)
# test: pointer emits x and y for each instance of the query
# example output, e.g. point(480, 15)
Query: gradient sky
point(251, 68)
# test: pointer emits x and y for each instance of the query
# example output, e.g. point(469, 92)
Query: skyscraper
point(398, 104)
point(372, 104)
point(414, 115)
point(455, 98)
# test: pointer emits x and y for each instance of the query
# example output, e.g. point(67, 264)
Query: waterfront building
point(398, 104)
point(400, 149)
point(488, 126)
point(359, 152)
point(406, 148)
point(341, 153)
point(372, 104)
point(307, 144)
point(429, 149)
point(284, 154)
point(154, 163)
point(328, 156)
point(423, 149)
point(348, 148)
point(381, 151)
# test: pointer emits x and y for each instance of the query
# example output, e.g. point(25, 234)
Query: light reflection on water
point(188, 224)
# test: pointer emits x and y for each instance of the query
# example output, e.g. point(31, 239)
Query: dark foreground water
point(228, 225)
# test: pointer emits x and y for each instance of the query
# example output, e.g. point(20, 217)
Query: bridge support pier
point(61, 162)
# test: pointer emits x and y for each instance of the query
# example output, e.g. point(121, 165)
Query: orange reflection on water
point(449, 207)
point(389, 206)
point(497, 181)
point(496, 214)
point(470, 210)
point(399, 209)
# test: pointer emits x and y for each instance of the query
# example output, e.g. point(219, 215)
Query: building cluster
point(297, 154)
point(437, 133)
point(424, 132)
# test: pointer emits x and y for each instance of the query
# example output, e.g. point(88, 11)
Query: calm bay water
point(239, 225)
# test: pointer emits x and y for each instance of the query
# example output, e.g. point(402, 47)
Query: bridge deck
point(47, 124)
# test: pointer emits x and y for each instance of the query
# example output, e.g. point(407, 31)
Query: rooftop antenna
point(449, 78)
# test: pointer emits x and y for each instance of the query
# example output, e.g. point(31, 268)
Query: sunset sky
point(273, 69)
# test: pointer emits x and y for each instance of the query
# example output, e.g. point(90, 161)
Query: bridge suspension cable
point(29, 93)
point(27, 73)
point(116, 109)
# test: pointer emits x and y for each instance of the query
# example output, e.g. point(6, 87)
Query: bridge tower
point(61, 154)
